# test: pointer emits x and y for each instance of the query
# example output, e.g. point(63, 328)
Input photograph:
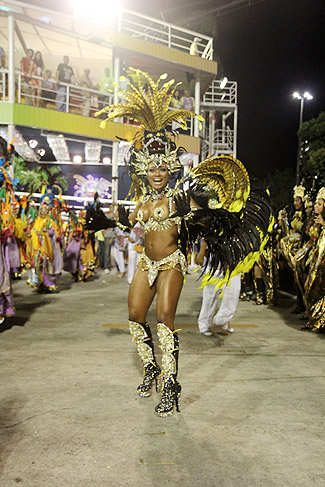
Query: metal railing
point(72, 199)
point(217, 94)
point(169, 35)
point(62, 97)
point(3, 84)
point(32, 90)
point(223, 143)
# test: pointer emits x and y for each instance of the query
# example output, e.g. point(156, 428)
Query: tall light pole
point(302, 98)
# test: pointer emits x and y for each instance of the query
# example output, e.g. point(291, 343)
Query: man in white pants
point(227, 309)
point(229, 301)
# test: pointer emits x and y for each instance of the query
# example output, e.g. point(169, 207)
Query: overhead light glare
point(41, 152)
point(77, 159)
point(296, 95)
point(308, 95)
point(106, 160)
point(105, 11)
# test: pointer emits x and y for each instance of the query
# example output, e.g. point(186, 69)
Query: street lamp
point(302, 98)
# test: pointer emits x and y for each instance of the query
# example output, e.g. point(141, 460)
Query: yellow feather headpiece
point(321, 193)
point(148, 103)
point(299, 192)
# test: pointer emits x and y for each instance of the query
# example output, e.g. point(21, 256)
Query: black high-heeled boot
point(171, 389)
point(142, 337)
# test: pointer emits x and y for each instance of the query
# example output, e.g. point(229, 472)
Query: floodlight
point(223, 82)
point(77, 159)
point(308, 96)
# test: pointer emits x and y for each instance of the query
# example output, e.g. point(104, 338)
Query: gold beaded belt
point(172, 261)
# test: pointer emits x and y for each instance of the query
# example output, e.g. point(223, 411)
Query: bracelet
point(122, 227)
point(190, 214)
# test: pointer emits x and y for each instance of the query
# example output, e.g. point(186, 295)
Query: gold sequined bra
point(158, 222)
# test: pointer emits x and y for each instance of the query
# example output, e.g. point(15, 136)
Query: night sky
point(271, 48)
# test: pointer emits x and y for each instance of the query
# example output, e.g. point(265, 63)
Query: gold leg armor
point(171, 389)
point(142, 337)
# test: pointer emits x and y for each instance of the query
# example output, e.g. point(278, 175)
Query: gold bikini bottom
point(176, 260)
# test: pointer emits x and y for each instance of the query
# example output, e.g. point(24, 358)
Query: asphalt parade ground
point(253, 402)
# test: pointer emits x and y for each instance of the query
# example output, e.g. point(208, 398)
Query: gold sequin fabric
point(168, 346)
point(140, 336)
point(315, 287)
point(172, 261)
point(157, 224)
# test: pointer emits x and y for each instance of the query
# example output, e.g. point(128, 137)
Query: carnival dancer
point(315, 283)
point(24, 219)
point(72, 250)
point(7, 197)
point(87, 250)
point(218, 208)
point(292, 236)
point(45, 249)
point(6, 299)
point(9, 257)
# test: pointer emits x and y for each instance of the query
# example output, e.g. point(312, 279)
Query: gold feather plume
point(148, 105)
point(226, 180)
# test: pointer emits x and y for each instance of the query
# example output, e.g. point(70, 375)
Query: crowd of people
point(297, 247)
point(42, 88)
point(47, 237)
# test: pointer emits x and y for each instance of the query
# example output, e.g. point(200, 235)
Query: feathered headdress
point(321, 193)
point(299, 191)
point(148, 103)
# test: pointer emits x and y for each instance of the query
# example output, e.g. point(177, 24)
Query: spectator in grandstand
point(106, 82)
point(26, 67)
point(194, 48)
point(37, 73)
point(64, 75)
point(86, 82)
point(187, 101)
point(106, 87)
point(175, 102)
point(49, 88)
point(2, 58)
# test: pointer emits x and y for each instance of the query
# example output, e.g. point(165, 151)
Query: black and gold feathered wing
point(234, 217)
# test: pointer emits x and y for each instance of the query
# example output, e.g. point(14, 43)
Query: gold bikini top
point(158, 222)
